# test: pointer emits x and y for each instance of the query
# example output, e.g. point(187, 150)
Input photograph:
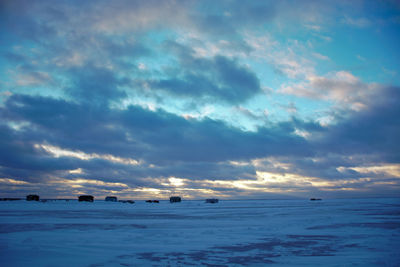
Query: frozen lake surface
point(340, 232)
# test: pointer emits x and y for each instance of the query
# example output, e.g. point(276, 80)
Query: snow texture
point(340, 232)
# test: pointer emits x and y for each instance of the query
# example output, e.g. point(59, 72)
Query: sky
point(226, 99)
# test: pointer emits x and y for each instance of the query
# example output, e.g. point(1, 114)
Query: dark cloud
point(189, 148)
point(95, 85)
point(19, 159)
point(372, 131)
point(364, 138)
point(178, 147)
point(216, 79)
point(169, 145)
point(137, 132)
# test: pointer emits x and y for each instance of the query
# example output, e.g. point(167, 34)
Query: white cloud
point(356, 22)
point(291, 60)
point(142, 66)
point(320, 56)
point(383, 170)
point(60, 152)
point(10, 181)
point(33, 78)
point(314, 27)
point(342, 87)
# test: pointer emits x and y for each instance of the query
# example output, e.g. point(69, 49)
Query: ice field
point(335, 232)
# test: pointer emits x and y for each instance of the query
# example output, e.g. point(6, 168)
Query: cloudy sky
point(228, 99)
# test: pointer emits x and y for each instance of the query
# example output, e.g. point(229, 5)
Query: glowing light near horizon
point(263, 182)
point(239, 163)
point(386, 169)
point(80, 182)
point(293, 179)
point(76, 171)
point(176, 182)
point(259, 163)
point(12, 181)
point(147, 189)
point(273, 182)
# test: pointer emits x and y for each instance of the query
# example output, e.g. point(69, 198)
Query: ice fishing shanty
point(87, 198)
point(175, 199)
point(32, 198)
point(111, 199)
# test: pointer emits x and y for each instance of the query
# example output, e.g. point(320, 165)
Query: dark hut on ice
point(87, 198)
point(32, 198)
point(175, 199)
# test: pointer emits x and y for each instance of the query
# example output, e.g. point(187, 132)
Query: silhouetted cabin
point(32, 198)
point(156, 201)
point(112, 199)
point(87, 198)
point(212, 200)
point(152, 201)
point(314, 199)
point(175, 199)
point(127, 201)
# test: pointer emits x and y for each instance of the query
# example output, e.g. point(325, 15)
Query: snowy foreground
point(355, 232)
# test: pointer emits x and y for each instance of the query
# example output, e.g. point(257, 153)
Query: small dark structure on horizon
point(315, 199)
point(111, 199)
point(212, 200)
point(175, 199)
point(9, 199)
point(152, 201)
point(87, 198)
point(126, 201)
point(32, 198)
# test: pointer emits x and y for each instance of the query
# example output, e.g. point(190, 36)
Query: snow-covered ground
point(340, 232)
